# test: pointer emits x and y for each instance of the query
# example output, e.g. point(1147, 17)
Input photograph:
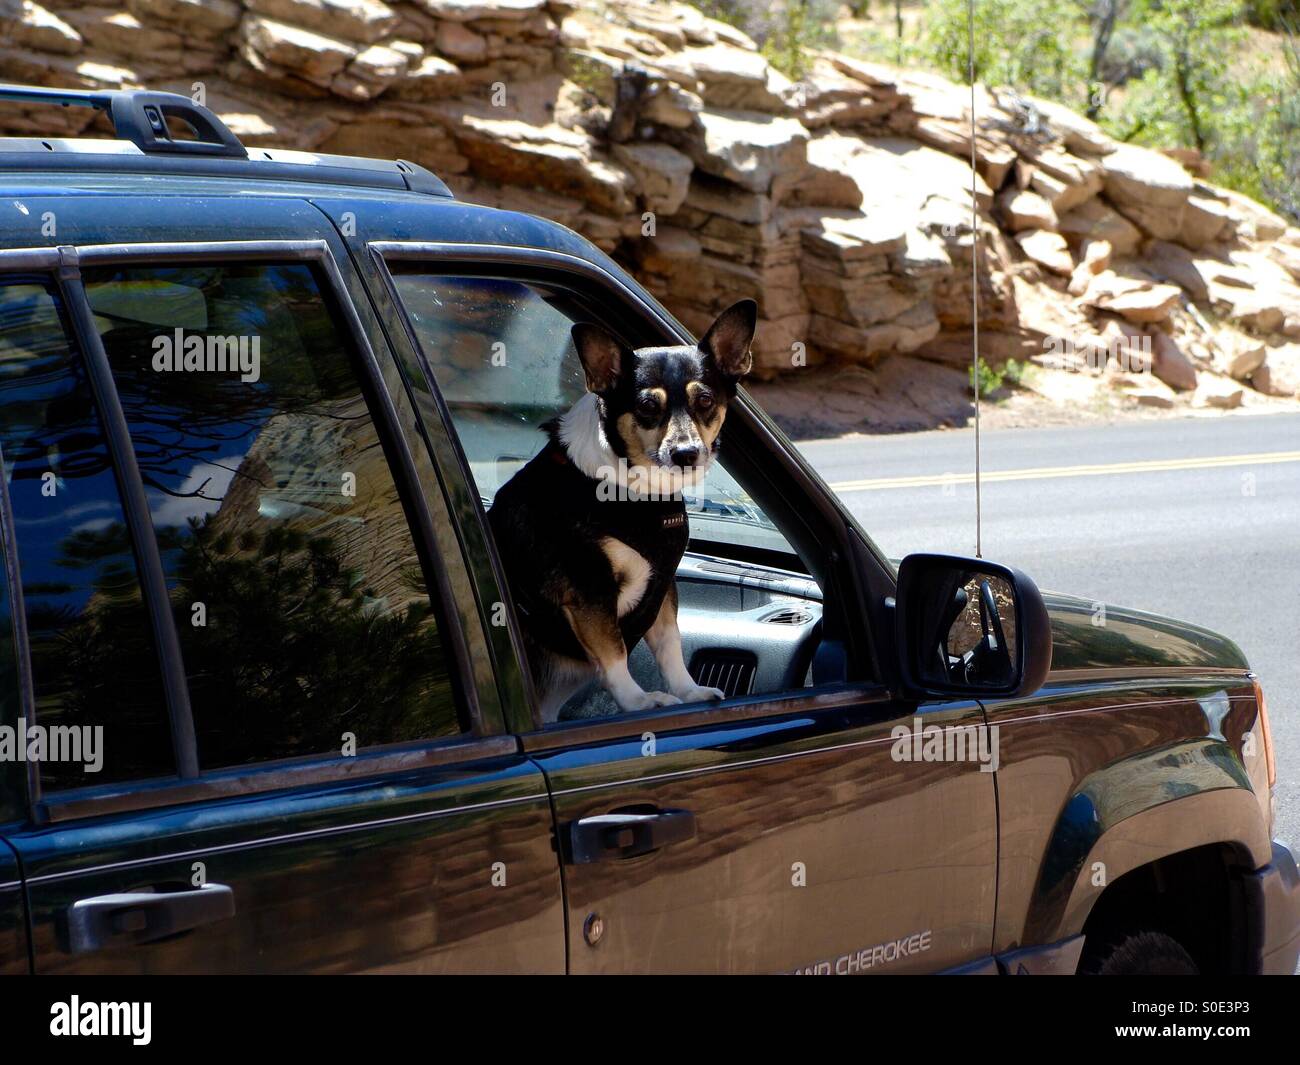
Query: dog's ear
point(728, 339)
point(603, 357)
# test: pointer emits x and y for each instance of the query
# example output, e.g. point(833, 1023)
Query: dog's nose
point(685, 456)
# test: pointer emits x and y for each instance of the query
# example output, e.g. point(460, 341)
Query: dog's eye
point(647, 407)
point(704, 402)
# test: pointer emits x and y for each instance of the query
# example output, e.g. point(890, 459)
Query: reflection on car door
point(814, 849)
point(427, 845)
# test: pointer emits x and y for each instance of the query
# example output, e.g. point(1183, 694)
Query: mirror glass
point(967, 620)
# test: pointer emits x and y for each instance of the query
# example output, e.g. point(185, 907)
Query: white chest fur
point(631, 569)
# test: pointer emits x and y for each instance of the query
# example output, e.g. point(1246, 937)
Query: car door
point(781, 830)
point(237, 610)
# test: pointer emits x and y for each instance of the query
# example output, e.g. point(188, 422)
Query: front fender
point(1136, 811)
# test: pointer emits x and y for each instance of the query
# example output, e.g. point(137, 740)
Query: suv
point(263, 705)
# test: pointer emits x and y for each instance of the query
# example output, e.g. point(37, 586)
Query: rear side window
point(94, 668)
point(299, 596)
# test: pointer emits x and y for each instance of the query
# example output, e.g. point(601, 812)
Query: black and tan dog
point(591, 530)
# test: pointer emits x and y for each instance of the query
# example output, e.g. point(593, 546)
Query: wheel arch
point(1186, 851)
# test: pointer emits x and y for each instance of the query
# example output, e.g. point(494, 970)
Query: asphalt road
point(1198, 519)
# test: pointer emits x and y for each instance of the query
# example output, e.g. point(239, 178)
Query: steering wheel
point(990, 660)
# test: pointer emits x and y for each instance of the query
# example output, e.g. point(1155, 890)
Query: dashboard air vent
point(791, 615)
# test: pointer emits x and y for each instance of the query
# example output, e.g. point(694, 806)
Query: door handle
point(143, 916)
point(625, 835)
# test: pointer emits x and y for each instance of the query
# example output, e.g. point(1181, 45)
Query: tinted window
point(93, 660)
point(299, 597)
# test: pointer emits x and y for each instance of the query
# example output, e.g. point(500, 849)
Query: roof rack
point(140, 116)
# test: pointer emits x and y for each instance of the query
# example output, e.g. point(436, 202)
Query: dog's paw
point(697, 694)
point(649, 700)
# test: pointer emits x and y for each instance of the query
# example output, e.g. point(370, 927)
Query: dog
point(591, 530)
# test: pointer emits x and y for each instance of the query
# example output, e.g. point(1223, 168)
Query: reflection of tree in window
point(282, 531)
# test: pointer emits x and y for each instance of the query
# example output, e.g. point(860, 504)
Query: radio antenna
point(974, 273)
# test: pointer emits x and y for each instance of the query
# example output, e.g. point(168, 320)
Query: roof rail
point(140, 116)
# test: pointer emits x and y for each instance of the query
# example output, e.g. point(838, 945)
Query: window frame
point(60, 269)
point(869, 576)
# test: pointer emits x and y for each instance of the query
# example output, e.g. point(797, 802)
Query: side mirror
point(971, 628)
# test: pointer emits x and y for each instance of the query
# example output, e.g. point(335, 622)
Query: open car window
point(505, 364)
point(503, 358)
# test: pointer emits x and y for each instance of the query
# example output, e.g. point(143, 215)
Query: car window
point(502, 354)
point(300, 600)
point(94, 670)
point(505, 363)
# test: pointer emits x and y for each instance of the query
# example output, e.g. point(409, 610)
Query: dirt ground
point(906, 394)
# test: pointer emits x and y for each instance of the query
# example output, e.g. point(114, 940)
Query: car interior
point(750, 601)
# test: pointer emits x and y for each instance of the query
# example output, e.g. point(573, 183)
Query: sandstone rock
point(728, 34)
point(207, 17)
point(1138, 301)
point(670, 105)
point(848, 237)
point(1023, 209)
point(1080, 134)
point(1064, 180)
point(902, 178)
point(733, 79)
point(652, 20)
point(1095, 257)
point(1218, 393)
point(1205, 221)
point(712, 196)
point(1252, 290)
point(1252, 220)
point(856, 238)
point(459, 44)
point(923, 256)
point(993, 158)
point(391, 136)
point(749, 148)
point(692, 22)
point(310, 56)
point(1125, 350)
point(1280, 374)
point(1152, 395)
point(1047, 249)
point(370, 73)
point(670, 249)
point(29, 25)
point(1170, 364)
point(1093, 220)
point(121, 33)
point(518, 153)
point(1137, 175)
point(827, 179)
point(663, 174)
point(432, 79)
point(1174, 263)
point(1287, 255)
point(473, 10)
point(354, 20)
point(1239, 355)
point(1149, 188)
